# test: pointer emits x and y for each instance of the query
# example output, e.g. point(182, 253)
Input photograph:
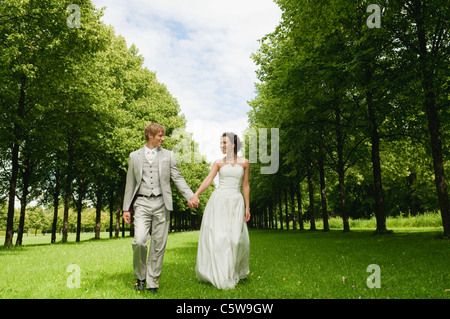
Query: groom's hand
point(193, 203)
point(126, 217)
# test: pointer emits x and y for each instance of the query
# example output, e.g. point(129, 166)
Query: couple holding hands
point(224, 245)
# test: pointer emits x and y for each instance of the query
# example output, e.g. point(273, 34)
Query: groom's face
point(157, 140)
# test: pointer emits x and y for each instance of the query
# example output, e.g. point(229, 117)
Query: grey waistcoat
point(150, 178)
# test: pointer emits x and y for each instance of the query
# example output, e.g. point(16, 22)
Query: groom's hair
point(153, 129)
point(233, 139)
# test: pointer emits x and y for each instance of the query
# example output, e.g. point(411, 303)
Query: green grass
point(283, 265)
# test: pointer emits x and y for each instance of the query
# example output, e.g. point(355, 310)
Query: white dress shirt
point(150, 154)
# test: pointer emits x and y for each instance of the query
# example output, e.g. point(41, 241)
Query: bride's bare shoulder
point(219, 162)
point(243, 161)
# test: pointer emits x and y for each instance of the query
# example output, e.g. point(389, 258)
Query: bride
point(224, 245)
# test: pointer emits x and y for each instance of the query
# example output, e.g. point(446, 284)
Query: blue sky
point(200, 49)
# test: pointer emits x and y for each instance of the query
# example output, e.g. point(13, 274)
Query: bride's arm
point(208, 180)
point(246, 190)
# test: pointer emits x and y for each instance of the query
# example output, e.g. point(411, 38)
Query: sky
point(200, 49)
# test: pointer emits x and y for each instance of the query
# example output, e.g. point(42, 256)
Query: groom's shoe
point(153, 290)
point(139, 285)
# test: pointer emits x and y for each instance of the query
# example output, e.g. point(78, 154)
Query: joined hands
point(193, 202)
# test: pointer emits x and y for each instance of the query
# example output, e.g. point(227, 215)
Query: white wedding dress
point(224, 245)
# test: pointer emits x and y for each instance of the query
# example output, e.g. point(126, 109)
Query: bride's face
point(226, 146)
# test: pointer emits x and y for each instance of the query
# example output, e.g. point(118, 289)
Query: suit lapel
point(141, 160)
point(158, 156)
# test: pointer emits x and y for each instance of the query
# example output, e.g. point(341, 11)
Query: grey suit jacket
point(168, 169)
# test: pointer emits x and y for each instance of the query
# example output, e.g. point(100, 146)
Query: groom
point(148, 193)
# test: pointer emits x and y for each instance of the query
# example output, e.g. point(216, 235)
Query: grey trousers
point(150, 218)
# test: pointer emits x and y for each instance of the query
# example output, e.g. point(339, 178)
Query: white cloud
point(200, 49)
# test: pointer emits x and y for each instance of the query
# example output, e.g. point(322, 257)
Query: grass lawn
point(414, 263)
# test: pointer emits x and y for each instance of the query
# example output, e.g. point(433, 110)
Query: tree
point(37, 47)
point(74, 102)
point(337, 87)
point(432, 66)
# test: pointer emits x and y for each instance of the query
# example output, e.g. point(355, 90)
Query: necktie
point(150, 155)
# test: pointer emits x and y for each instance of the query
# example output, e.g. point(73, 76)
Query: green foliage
point(349, 102)
point(74, 103)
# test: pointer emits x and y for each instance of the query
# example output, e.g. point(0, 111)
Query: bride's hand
point(247, 215)
point(196, 201)
point(193, 202)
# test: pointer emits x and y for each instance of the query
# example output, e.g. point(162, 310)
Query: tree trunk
point(266, 219)
point(68, 186)
point(286, 208)
point(79, 205)
point(12, 195)
point(98, 211)
point(292, 195)
point(17, 132)
point(55, 205)
point(380, 211)
point(281, 210)
point(111, 211)
point(414, 202)
point(311, 198)
point(23, 205)
point(341, 171)
point(275, 215)
point(119, 205)
point(271, 226)
point(323, 192)
point(23, 201)
point(426, 74)
point(118, 216)
point(299, 204)
point(79, 210)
